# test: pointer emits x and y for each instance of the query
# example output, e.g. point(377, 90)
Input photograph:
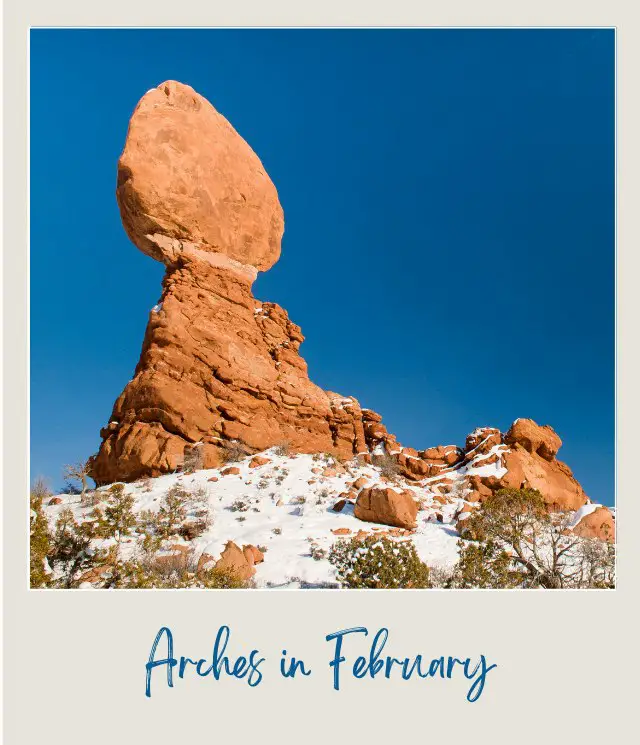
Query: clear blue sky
point(449, 222)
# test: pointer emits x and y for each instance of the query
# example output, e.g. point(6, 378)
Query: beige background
point(74, 661)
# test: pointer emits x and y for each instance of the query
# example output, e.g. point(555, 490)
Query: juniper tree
point(70, 549)
point(173, 511)
point(519, 541)
point(117, 519)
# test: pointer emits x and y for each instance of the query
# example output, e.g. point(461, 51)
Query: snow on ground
point(286, 507)
point(286, 514)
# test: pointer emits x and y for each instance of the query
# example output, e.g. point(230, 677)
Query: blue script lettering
point(375, 663)
point(289, 668)
point(219, 665)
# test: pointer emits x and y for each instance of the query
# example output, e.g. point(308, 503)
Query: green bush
point(173, 511)
point(378, 562)
point(116, 520)
point(484, 565)
point(70, 550)
point(39, 540)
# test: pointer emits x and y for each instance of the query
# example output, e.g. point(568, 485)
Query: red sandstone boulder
point(187, 182)
point(387, 506)
point(598, 524)
point(231, 471)
point(481, 440)
point(553, 479)
point(252, 554)
point(479, 490)
point(534, 438)
point(257, 461)
point(233, 559)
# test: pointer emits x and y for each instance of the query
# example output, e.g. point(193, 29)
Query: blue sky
point(449, 222)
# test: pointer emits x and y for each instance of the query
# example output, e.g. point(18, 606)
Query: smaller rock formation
point(542, 441)
point(387, 506)
point(237, 561)
point(598, 524)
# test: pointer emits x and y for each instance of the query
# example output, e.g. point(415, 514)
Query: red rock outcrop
point(237, 561)
point(597, 524)
point(531, 462)
point(542, 441)
point(218, 366)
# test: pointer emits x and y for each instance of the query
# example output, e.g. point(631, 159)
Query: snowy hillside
point(285, 506)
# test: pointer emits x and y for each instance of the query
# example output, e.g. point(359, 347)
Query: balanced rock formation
point(218, 368)
point(216, 364)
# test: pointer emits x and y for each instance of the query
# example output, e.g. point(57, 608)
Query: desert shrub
point(91, 498)
point(149, 545)
point(441, 577)
point(232, 451)
point(519, 542)
point(283, 449)
point(388, 466)
point(378, 562)
point(239, 505)
point(116, 518)
point(597, 568)
point(173, 511)
point(198, 512)
point(147, 522)
point(317, 553)
point(182, 512)
point(40, 490)
point(193, 459)
point(146, 572)
point(39, 538)
point(70, 551)
point(193, 529)
point(221, 579)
